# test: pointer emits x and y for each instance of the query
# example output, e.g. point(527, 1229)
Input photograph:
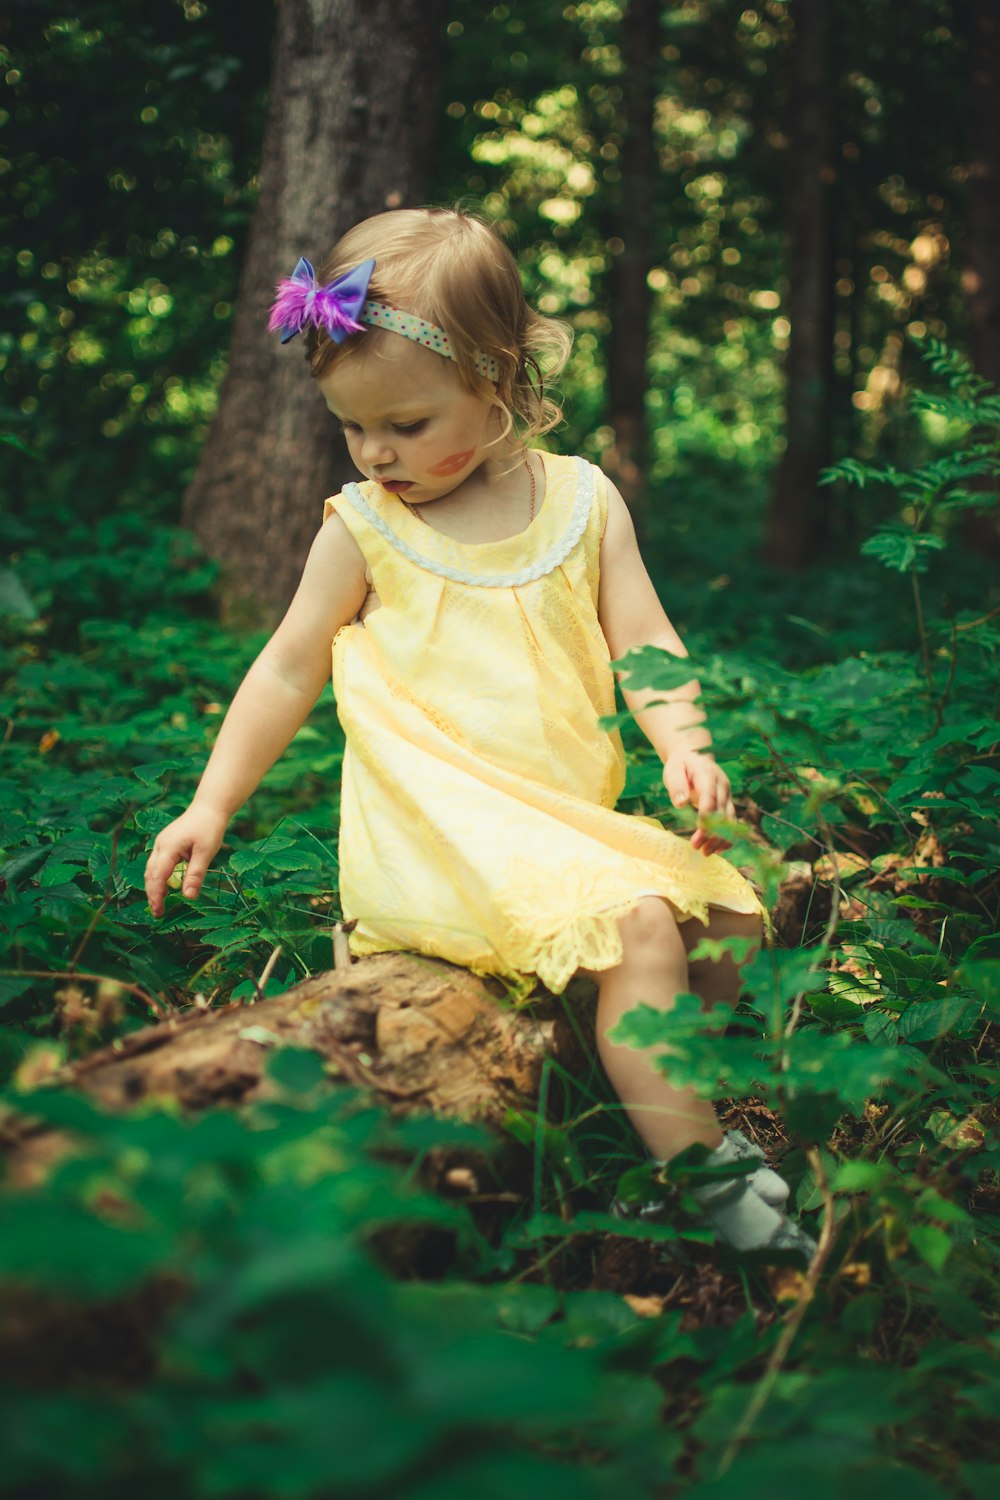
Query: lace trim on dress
point(538, 569)
point(588, 940)
point(564, 920)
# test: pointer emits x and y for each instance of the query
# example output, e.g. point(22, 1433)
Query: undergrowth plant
point(113, 723)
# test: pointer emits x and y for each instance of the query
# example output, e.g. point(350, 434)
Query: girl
point(474, 591)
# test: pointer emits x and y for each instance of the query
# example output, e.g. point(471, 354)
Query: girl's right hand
point(195, 837)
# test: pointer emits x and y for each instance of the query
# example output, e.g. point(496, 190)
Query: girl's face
point(409, 421)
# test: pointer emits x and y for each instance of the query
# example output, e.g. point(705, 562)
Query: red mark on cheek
point(453, 463)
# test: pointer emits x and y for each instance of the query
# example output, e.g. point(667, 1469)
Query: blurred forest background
point(748, 216)
point(774, 230)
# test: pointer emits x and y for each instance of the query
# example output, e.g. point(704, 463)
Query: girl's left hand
point(692, 776)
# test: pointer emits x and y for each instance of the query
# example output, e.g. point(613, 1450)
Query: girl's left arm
point(631, 615)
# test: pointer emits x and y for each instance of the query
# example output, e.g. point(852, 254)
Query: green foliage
point(130, 159)
point(119, 260)
point(538, 135)
point(282, 1329)
point(934, 492)
point(114, 721)
point(882, 771)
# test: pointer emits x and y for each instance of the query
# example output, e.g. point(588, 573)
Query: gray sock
point(766, 1183)
point(742, 1217)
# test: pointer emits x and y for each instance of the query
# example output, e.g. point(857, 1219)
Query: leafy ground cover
point(274, 1304)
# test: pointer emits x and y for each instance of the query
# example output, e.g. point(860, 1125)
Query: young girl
point(474, 591)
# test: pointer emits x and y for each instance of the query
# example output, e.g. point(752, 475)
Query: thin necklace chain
point(416, 509)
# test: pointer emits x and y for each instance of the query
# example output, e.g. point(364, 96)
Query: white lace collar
point(550, 559)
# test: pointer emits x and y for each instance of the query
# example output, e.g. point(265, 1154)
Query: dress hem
point(591, 941)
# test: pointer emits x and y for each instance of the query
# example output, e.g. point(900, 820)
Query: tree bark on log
point(422, 1034)
point(796, 524)
point(353, 103)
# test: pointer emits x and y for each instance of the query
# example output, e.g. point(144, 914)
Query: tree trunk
point(353, 99)
point(979, 24)
point(981, 278)
point(796, 524)
point(626, 460)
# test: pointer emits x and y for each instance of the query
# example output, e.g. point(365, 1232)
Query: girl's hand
point(692, 776)
point(195, 836)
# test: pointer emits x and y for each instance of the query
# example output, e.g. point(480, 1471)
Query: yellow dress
point(477, 816)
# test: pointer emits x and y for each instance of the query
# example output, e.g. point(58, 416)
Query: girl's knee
point(649, 929)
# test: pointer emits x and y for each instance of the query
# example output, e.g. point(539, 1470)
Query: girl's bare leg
point(654, 969)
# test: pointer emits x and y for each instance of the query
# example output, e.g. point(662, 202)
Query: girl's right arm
point(271, 705)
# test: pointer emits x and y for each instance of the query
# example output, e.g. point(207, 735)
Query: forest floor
point(269, 1280)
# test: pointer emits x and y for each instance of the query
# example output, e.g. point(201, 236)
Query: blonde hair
point(449, 267)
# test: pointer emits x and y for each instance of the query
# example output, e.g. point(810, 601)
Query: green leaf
point(296, 1069)
point(861, 1176)
point(932, 1244)
point(812, 1116)
point(224, 937)
point(156, 770)
point(547, 1226)
point(654, 668)
point(898, 548)
point(293, 861)
point(924, 1021)
point(242, 861)
point(881, 1029)
point(49, 1242)
point(11, 986)
point(779, 974)
point(935, 1206)
point(853, 471)
point(525, 1308)
point(14, 598)
point(712, 949)
point(12, 440)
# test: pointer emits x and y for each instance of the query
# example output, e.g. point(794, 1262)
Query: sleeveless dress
point(477, 813)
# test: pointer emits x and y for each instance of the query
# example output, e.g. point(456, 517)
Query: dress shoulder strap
point(599, 514)
point(367, 537)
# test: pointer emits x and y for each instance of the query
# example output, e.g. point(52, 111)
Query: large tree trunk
point(796, 525)
point(980, 24)
point(626, 460)
point(353, 101)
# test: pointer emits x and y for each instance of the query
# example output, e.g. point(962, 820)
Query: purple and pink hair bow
point(335, 307)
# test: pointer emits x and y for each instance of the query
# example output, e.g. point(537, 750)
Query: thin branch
point(922, 631)
point(983, 620)
point(341, 945)
point(827, 842)
point(133, 989)
point(793, 1319)
point(267, 971)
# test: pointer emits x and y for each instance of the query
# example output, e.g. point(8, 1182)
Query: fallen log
point(420, 1033)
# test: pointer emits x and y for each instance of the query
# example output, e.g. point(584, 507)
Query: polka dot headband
point(342, 308)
